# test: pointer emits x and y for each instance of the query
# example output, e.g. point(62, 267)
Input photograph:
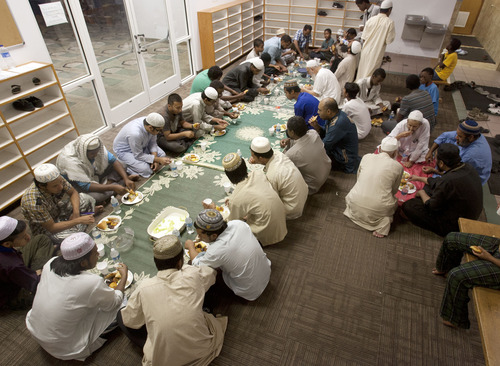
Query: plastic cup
point(203, 146)
point(207, 201)
point(271, 131)
point(100, 250)
point(179, 165)
point(102, 267)
point(228, 187)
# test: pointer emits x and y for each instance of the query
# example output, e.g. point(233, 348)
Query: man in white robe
point(371, 203)
point(369, 92)
point(169, 306)
point(254, 201)
point(347, 67)
point(356, 110)
point(135, 145)
point(413, 135)
point(283, 175)
point(378, 33)
point(325, 85)
point(305, 149)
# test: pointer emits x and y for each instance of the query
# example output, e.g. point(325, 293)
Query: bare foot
point(448, 324)
point(378, 235)
point(438, 273)
point(98, 209)
point(134, 177)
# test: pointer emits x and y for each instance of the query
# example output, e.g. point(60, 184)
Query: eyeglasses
point(157, 129)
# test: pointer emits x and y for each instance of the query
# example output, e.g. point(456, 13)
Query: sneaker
point(481, 91)
point(494, 97)
point(494, 111)
point(15, 89)
point(461, 52)
point(23, 105)
point(322, 13)
point(480, 116)
point(337, 5)
point(493, 105)
point(35, 101)
point(36, 81)
point(474, 112)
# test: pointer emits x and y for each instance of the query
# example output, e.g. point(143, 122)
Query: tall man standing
point(377, 34)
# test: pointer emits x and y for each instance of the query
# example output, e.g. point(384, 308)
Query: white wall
point(193, 6)
point(438, 11)
point(34, 48)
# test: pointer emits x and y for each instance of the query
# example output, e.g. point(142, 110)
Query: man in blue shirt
point(302, 39)
point(427, 85)
point(474, 148)
point(274, 47)
point(340, 136)
point(306, 106)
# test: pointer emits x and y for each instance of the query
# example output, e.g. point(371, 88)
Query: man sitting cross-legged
point(164, 315)
point(371, 203)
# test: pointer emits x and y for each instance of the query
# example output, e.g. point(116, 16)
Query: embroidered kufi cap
point(258, 64)
point(389, 144)
point(94, 143)
point(209, 220)
point(76, 246)
point(231, 162)
point(211, 93)
point(291, 83)
point(46, 173)
point(312, 63)
point(167, 247)
point(386, 4)
point(449, 154)
point(355, 47)
point(416, 115)
point(260, 145)
point(470, 127)
point(7, 226)
point(280, 31)
point(155, 120)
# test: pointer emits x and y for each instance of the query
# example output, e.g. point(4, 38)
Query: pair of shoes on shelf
point(27, 104)
point(322, 13)
point(15, 89)
point(337, 5)
point(477, 115)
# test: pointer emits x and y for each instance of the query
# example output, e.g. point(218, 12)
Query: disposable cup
point(228, 187)
point(100, 250)
point(102, 267)
point(179, 165)
point(207, 201)
point(271, 131)
point(203, 146)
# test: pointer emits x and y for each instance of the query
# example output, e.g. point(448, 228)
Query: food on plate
point(476, 249)
point(192, 157)
point(411, 186)
point(283, 126)
point(131, 195)
point(113, 278)
point(241, 106)
point(220, 133)
point(169, 223)
point(219, 208)
point(200, 247)
point(108, 223)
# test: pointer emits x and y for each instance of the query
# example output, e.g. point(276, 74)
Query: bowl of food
point(170, 219)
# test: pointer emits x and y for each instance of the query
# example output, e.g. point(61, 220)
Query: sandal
point(15, 89)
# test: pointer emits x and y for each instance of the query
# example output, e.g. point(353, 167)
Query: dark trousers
point(419, 215)
point(137, 336)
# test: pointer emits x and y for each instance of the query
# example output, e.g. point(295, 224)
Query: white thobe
point(255, 199)
point(326, 85)
point(134, 146)
point(417, 144)
point(288, 182)
point(257, 78)
point(194, 110)
point(309, 156)
point(359, 114)
point(252, 54)
point(245, 267)
point(378, 33)
point(346, 70)
point(70, 313)
point(370, 94)
point(371, 203)
point(170, 305)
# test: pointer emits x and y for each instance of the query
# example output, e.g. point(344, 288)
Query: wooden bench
point(486, 301)
point(442, 82)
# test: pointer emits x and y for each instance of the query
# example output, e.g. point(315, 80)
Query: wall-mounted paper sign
point(53, 13)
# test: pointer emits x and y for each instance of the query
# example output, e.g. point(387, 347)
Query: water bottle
point(189, 225)
point(96, 234)
point(278, 130)
point(116, 205)
point(6, 57)
point(176, 233)
point(115, 255)
point(391, 116)
point(405, 156)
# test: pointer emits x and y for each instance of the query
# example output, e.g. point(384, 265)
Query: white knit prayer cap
point(155, 120)
point(46, 173)
point(312, 63)
point(280, 31)
point(76, 246)
point(355, 47)
point(386, 4)
point(94, 143)
point(258, 64)
point(7, 226)
point(260, 145)
point(211, 93)
point(389, 144)
point(416, 115)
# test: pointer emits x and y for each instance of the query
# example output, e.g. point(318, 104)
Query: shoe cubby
point(31, 137)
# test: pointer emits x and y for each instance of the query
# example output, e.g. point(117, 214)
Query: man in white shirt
point(325, 85)
point(283, 175)
point(305, 149)
point(369, 92)
point(72, 307)
point(377, 34)
point(258, 48)
point(356, 110)
point(347, 67)
point(234, 250)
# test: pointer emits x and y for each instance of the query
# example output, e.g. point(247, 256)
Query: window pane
point(64, 50)
point(85, 109)
point(184, 54)
point(179, 26)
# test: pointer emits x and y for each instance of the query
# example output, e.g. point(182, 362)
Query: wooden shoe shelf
point(28, 139)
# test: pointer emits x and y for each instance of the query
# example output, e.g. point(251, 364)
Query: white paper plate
point(130, 278)
point(110, 217)
point(138, 199)
point(219, 133)
point(189, 158)
point(410, 191)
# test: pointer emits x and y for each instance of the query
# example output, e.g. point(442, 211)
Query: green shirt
point(200, 82)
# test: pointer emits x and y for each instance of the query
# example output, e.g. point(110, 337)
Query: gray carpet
point(337, 296)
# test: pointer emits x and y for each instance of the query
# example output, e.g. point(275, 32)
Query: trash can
point(433, 36)
point(414, 27)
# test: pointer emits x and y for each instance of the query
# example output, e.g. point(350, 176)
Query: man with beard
point(474, 148)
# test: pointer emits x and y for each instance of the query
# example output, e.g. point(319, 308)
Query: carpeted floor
point(474, 48)
point(473, 99)
point(494, 181)
point(337, 295)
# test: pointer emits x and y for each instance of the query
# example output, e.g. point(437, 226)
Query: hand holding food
point(475, 249)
